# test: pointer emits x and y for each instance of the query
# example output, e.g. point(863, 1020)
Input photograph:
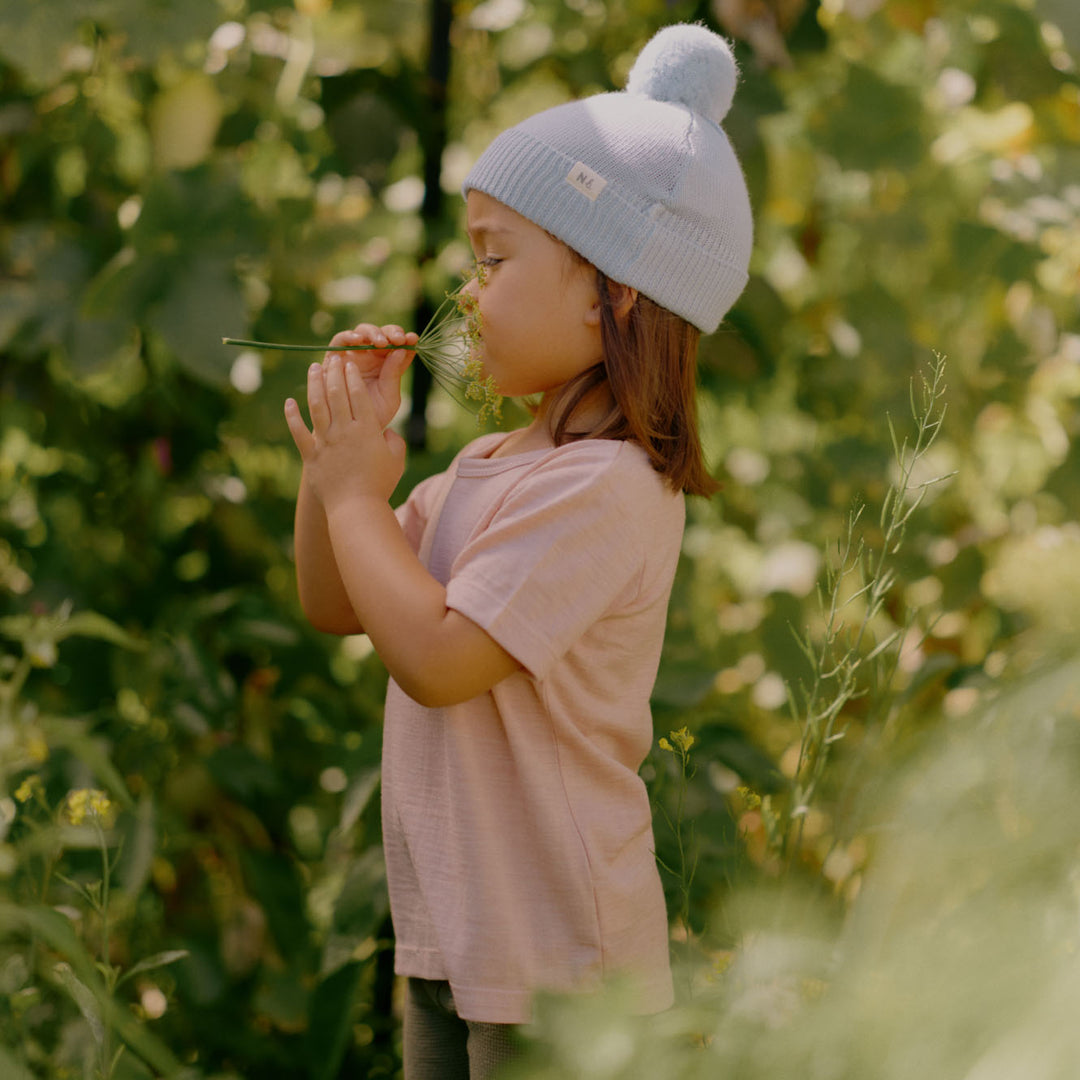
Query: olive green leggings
point(439, 1045)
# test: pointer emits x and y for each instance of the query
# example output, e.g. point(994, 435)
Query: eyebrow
point(481, 228)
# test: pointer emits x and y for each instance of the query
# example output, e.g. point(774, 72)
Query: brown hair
point(650, 363)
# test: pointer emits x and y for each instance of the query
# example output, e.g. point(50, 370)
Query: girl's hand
point(348, 453)
point(381, 369)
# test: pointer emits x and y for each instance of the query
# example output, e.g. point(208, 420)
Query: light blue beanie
point(643, 183)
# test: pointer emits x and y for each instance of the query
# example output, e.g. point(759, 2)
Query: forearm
point(323, 597)
point(435, 654)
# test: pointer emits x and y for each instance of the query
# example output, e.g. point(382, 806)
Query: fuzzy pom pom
point(688, 64)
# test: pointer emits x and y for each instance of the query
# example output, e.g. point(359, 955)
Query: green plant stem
point(842, 672)
point(106, 876)
point(278, 346)
point(10, 689)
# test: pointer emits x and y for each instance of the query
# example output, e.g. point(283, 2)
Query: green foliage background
point(174, 172)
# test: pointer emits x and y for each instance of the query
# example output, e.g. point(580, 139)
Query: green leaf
point(276, 885)
point(356, 799)
point(56, 931)
point(92, 625)
point(92, 751)
point(13, 1069)
point(151, 963)
point(872, 123)
point(204, 299)
point(363, 903)
point(84, 999)
point(330, 1021)
point(57, 627)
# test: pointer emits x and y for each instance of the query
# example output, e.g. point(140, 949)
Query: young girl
point(519, 599)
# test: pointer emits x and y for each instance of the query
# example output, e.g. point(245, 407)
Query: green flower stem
point(106, 964)
point(277, 346)
point(447, 347)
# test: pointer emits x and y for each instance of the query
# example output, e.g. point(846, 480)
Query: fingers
point(298, 429)
point(361, 334)
point(318, 405)
point(363, 410)
point(337, 395)
point(387, 337)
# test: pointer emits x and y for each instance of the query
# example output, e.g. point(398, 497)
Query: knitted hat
point(643, 183)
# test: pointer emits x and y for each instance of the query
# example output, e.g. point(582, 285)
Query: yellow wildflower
point(678, 742)
point(683, 739)
point(86, 803)
point(29, 788)
point(750, 797)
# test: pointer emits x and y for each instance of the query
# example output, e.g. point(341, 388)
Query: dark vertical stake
point(432, 143)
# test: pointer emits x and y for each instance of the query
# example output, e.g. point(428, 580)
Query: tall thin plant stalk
point(843, 659)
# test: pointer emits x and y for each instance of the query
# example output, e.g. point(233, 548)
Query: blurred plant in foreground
point(959, 957)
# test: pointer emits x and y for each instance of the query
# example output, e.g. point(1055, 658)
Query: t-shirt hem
point(504, 1006)
point(418, 963)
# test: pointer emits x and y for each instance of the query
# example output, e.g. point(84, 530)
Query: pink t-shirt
point(518, 834)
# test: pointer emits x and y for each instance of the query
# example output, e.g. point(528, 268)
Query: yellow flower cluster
point(477, 387)
point(86, 803)
point(29, 789)
point(750, 797)
point(679, 742)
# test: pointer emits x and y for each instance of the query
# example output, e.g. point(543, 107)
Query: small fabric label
point(586, 181)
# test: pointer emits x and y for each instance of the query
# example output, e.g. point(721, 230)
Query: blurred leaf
point(57, 931)
point(242, 773)
point(276, 885)
point(92, 751)
point(13, 1069)
point(871, 123)
point(731, 746)
point(84, 999)
point(203, 304)
point(151, 963)
point(56, 628)
point(139, 848)
point(330, 1019)
point(1065, 15)
point(363, 902)
point(31, 35)
point(362, 787)
point(184, 120)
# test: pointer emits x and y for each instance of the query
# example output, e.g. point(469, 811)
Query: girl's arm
point(437, 655)
point(323, 597)
point(322, 594)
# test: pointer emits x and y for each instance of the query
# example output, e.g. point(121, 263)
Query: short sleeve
point(563, 549)
point(415, 512)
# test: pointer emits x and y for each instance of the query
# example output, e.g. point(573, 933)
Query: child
point(519, 599)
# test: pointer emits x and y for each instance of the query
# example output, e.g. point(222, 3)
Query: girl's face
point(540, 311)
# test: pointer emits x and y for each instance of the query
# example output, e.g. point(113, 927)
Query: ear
point(622, 297)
